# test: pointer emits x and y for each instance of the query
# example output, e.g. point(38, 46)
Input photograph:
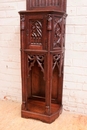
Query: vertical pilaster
point(23, 60)
point(48, 84)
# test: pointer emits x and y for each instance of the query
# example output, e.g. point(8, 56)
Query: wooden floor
point(10, 119)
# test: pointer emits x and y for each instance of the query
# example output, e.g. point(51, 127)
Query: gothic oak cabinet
point(42, 29)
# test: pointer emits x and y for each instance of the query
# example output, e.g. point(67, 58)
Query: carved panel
point(36, 32)
point(36, 58)
point(57, 32)
point(43, 3)
point(58, 61)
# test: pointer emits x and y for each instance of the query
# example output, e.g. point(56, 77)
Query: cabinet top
point(43, 11)
point(46, 4)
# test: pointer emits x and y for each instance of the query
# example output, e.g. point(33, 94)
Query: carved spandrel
point(57, 32)
point(36, 32)
point(36, 58)
point(58, 60)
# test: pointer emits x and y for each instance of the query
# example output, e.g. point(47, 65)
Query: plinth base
point(36, 110)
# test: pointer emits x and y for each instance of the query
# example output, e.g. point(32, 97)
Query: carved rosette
point(22, 20)
point(57, 32)
point(36, 32)
point(36, 58)
point(58, 60)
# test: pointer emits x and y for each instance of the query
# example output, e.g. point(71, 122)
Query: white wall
point(75, 72)
point(10, 75)
point(75, 79)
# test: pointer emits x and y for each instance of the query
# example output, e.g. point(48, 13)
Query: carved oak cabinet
point(42, 29)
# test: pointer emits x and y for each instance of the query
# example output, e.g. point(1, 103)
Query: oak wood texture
point(42, 32)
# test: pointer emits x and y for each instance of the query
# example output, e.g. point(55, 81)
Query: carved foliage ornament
point(49, 27)
point(36, 58)
point(22, 19)
point(57, 32)
point(36, 32)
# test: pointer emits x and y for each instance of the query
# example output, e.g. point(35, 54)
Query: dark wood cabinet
point(42, 29)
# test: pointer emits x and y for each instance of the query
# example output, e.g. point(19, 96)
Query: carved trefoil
point(36, 32)
point(57, 32)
